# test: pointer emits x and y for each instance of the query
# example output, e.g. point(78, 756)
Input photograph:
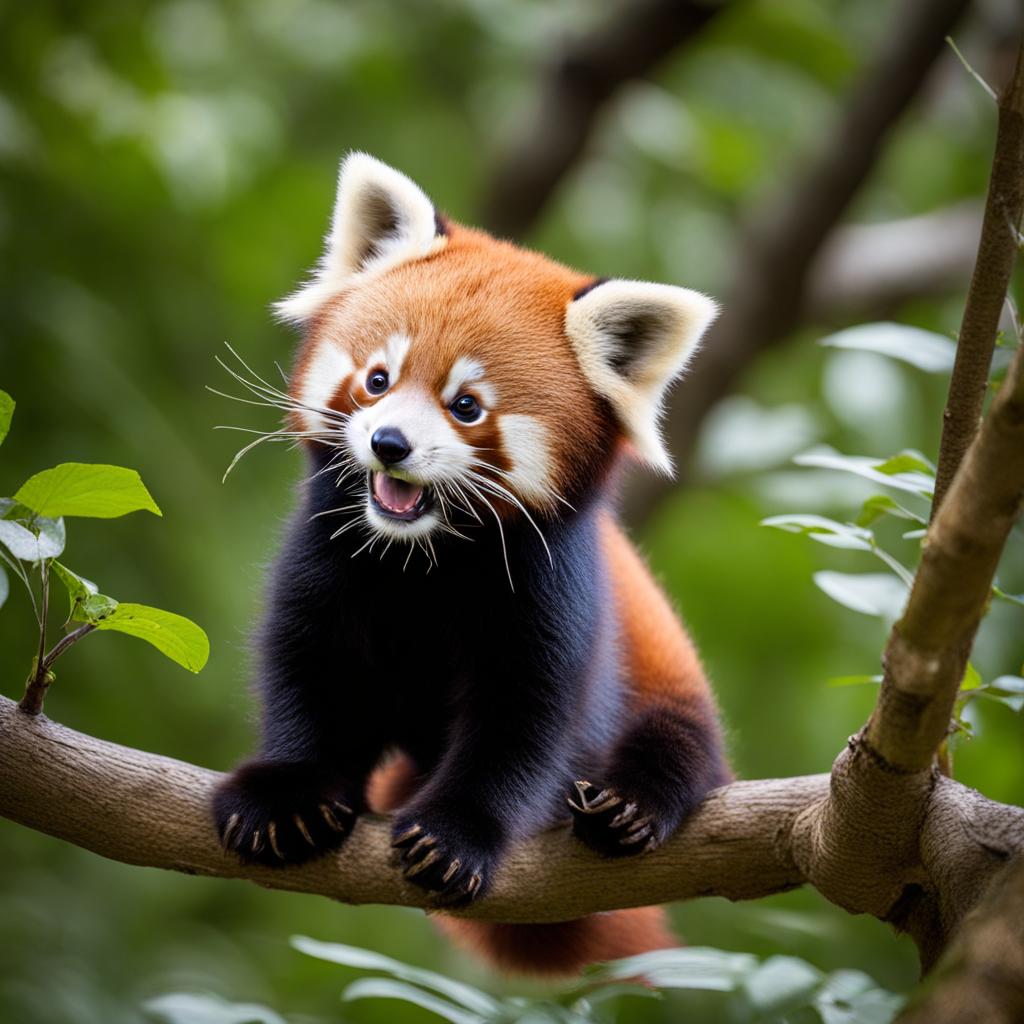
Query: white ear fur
point(633, 339)
point(381, 219)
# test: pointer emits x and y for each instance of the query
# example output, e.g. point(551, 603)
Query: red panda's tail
point(564, 948)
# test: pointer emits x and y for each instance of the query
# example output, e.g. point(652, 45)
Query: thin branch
point(40, 678)
point(927, 651)
point(775, 252)
point(997, 253)
point(573, 91)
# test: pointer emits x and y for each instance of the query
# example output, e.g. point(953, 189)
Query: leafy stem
point(42, 676)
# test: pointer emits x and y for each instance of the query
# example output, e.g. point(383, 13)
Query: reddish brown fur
point(506, 306)
point(556, 950)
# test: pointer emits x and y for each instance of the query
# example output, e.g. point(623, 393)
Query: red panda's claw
point(423, 864)
point(624, 816)
point(228, 838)
point(303, 830)
point(409, 833)
point(329, 817)
point(635, 837)
point(422, 843)
point(595, 803)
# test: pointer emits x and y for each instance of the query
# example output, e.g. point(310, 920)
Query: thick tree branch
point(981, 978)
point(776, 251)
point(573, 91)
point(149, 810)
point(997, 252)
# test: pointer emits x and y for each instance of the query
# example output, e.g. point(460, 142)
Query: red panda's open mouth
point(398, 499)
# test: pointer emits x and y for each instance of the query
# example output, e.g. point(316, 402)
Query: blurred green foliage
point(167, 171)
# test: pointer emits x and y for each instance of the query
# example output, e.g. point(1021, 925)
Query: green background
point(167, 172)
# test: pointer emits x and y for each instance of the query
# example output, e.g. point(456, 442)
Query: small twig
point(67, 641)
point(970, 70)
point(42, 677)
point(44, 575)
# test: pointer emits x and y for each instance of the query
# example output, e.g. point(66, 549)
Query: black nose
point(389, 445)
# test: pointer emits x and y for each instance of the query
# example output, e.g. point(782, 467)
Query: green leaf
point(1007, 690)
point(365, 959)
point(30, 539)
point(78, 587)
point(1017, 599)
point(83, 489)
point(6, 414)
point(871, 593)
point(692, 968)
point(971, 679)
point(826, 531)
point(852, 997)
point(195, 1008)
point(916, 476)
point(907, 461)
point(933, 353)
point(5, 587)
point(854, 680)
point(386, 988)
point(879, 505)
point(781, 984)
point(94, 608)
point(174, 635)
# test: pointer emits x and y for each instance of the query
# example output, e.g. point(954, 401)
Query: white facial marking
point(438, 452)
point(396, 350)
point(525, 442)
point(327, 368)
point(466, 371)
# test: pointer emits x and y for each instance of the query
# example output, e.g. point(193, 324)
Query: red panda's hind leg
point(666, 762)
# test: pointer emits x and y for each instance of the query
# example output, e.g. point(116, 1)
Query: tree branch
point(775, 252)
point(153, 811)
point(997, 252)
point(981, 978)
point(927, 651)
point(575, 87)
point(865, 271)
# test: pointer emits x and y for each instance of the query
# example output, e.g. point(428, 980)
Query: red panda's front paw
point(279, 814)
point(437, 857)
point(613, 824)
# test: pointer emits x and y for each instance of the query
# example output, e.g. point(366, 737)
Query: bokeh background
point(167, 172)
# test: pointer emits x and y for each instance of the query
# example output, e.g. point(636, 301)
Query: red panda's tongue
point(396, 495)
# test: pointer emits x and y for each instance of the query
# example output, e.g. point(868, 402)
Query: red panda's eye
point(377, 382)
point(466, 408)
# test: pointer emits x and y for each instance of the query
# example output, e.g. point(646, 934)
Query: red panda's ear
point(381, 219)
point(633, 339)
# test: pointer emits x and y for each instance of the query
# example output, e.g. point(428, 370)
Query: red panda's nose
point(389, 445)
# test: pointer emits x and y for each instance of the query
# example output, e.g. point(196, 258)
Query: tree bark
point(997, 253)
point(981, 978)
point(744, 842)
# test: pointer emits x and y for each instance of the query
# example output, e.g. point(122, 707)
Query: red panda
point(454, 586)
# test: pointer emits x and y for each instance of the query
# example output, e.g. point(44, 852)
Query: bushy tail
point(564, 948)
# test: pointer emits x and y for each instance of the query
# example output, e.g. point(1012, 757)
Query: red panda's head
point(450, 370)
